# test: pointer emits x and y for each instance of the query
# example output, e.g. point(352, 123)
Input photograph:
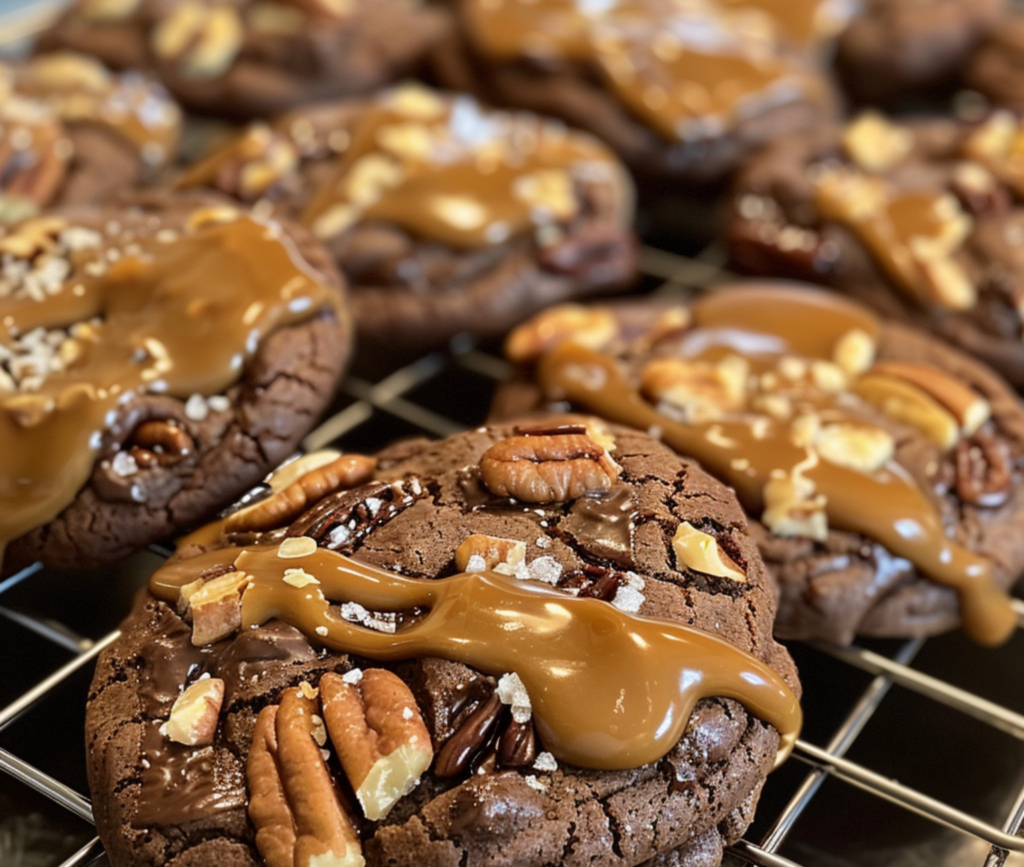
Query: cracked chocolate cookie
point(254, 57)
point(72, 132)
point(883, 466)
point(518, 646)
point(899, 50)
point(444, 216)
point(920, 220)
point(680, 91)
point(157, 360)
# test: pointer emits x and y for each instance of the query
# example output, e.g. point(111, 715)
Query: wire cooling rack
point(912, 753)
point(943, 716)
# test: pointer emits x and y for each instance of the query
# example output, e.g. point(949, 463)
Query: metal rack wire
point(421, 399)
point(872, 712)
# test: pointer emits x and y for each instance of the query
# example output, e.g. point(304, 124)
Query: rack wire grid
point(912, 752)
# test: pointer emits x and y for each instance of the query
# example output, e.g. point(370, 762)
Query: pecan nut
point(983, 476)
point(547, 468)
point(593, 327)
point(34, 157)
point(293, 805)
point(194, 715)
point(380, 736)
point(201, 40)
point(283, 506)
point(159, 443)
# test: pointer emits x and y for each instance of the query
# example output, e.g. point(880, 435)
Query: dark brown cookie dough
point(255, 57)
point(920, 220)
point(156, 366)
point(496, 805)
point(878, 404)
point(445, 217)
point(996, 67)
point(72, 132)
point(900, 50)
point(682, 93)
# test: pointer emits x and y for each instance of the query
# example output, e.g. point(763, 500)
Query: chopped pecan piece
point(983, 475)
point(379, 734)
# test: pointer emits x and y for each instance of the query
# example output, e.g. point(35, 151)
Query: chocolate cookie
point(682, 91)
point(158, 360)
point(254, 57)
point(71, 132)
point(883, 466)
point(445, 217)
point(996, 67)
point(485, 685)
point(920, 220)
point(893, 50)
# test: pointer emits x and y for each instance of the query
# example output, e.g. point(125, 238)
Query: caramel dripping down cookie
point(800, 471)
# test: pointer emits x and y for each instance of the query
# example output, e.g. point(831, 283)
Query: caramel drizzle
point(889, 230)
point(886, 506)
point(463, 190)
point(680, 70)
point(178, 318)
point(609, 690)
point(127, 104)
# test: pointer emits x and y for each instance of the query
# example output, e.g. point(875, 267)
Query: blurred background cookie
point(159, 358)
point(254, 57)
point(444, 216)
point(72, 132)
point(882, 466)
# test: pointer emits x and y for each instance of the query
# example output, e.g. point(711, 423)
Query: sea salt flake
point(546, 569)
point(352, 677)
point(512, 692)
point(545, 762)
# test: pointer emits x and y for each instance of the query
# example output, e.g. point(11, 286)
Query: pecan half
point(486, 740)
point(159, 443)
point(293, 805)
point(983, 476)
point(379, 734)
point(549, 468)
point(34, 155)
point(282, 507)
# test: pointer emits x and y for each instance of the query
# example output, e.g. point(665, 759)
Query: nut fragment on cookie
point(907, 403)
point(489, 552)
point(791, 506)
point(860, 447)
point(193, 719)
point(201, 40)
point(701, 552)
point(547, 468)
point(874, 144)
point(593, 327)
point(381, 739)
point(968, 407)
point(216, 607)
point(700, 391)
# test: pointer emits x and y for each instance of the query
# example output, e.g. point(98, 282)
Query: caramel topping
point(80, 91)
point(178, 318)
point(578, 658)
point(446, 170)
point(685, 69)
point(914, 235)
point(757, 453)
